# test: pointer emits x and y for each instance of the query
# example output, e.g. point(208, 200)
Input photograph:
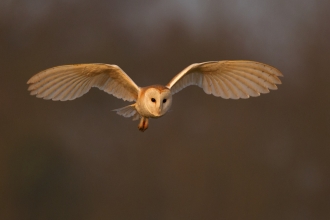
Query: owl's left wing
point(228, 79)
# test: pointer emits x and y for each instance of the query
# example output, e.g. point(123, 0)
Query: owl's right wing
point(228, 79)
point(72, 81)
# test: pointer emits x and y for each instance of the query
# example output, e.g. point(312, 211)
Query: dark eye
point(153, 100)
point(164, 100)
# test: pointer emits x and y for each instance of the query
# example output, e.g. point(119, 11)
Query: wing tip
point(32, 80)
point(279, 73)
point(276, 72)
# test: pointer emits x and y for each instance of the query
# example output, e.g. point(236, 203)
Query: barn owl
point(226, 79)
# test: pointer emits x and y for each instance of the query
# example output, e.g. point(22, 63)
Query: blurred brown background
point(209, 158)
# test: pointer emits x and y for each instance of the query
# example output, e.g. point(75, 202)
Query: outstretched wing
point(228, 79)
point(72, 81)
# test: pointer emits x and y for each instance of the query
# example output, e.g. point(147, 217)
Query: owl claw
point(143, 125)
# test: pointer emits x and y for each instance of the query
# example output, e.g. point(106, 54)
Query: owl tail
point(128, 111)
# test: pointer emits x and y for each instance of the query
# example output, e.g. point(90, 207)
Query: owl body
point(226, 79)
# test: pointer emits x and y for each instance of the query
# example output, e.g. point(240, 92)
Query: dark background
point(209, 158)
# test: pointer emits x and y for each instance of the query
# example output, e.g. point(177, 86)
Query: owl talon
point(143, 125)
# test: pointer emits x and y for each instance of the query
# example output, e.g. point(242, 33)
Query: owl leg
point(143, 125)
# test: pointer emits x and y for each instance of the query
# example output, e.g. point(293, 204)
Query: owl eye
point(153, 100)
point(164, 100)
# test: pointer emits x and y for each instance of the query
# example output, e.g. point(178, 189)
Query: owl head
point(157, 100)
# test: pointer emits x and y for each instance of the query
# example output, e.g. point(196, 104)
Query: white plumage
point(226, 79)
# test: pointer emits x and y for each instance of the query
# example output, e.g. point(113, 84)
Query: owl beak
point(160, 109)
